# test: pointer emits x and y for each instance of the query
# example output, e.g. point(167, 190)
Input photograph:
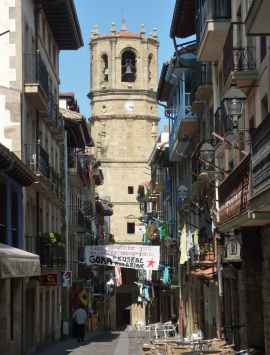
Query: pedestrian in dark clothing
point(80, 318)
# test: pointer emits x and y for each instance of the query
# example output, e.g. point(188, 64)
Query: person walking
point(80, 318)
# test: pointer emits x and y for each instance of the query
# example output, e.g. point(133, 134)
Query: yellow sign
point(83, 297)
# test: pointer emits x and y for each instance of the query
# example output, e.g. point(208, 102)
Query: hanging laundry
point(153, 292)
point(146, 294)
point(189, 242)
point(196, 242)
point(118, 276)
point(148, 276)
point(183, 246)
point(110, 286)
point(164, 231)
point(166, 276)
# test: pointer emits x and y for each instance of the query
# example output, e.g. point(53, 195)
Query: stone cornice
point(128, 92)
point(125, 117)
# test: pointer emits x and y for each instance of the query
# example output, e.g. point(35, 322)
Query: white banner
point(139, 257)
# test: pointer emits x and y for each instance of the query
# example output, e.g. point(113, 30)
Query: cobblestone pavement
point(110, 343)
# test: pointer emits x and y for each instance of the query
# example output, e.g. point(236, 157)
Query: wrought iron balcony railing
point(37, 159)
point(51, 252)
point(237, 59)
point(211, 10)
point(36, 71)
point(183, 113)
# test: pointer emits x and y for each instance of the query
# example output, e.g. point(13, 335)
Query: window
point(130, 228)
point(130, 190)
point(105, 67)
point(14, 218)
point(11, 308)
point(263, 44)
point(3, 227)
point(128, 66)
point(264, 107)
point(150, 58)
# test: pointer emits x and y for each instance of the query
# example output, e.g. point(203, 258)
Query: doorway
point(123, 309)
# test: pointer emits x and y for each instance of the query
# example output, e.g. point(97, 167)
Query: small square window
point(130, 190)
point(130, 228)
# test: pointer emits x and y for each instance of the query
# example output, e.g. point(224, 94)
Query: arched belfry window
point(149, 67)
point(128, 66)
point(105, 68)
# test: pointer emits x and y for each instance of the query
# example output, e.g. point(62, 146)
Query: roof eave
point(15, 168)
point(183, 22)
point(68, 32)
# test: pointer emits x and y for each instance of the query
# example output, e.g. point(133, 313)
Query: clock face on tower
point(129, 106)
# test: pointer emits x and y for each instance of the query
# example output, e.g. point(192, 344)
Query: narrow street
point(109, 343)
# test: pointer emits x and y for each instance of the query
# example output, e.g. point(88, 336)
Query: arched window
point(128, 66)
point(105, 69)
point(150, 59)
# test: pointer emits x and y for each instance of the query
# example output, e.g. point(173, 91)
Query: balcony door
point(3, 209)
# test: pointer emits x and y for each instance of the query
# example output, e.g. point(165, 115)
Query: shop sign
point(234, 193)
point(233, 248)
point(67, 279)
point(130, 256)
point(50, 279)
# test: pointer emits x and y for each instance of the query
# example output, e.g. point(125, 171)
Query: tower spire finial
point(113, 28)
point(123, 24)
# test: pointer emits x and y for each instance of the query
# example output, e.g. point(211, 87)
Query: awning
point(17, 263)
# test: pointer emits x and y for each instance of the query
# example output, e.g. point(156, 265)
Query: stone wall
point(266, 286)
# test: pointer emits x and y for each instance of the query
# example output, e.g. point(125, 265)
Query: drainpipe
point(216, 103)
point(67, 264)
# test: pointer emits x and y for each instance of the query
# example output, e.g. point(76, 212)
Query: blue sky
point(74, 65)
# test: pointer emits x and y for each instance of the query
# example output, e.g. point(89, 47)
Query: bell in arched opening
point(128, 66)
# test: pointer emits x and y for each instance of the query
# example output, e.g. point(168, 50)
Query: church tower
point(124, 119)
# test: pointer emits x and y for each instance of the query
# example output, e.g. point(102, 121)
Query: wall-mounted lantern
point(234, 102)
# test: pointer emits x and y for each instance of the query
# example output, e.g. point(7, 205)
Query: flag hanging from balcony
point(139, 257)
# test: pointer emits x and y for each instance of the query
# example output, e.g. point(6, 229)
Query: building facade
point(124, 125)
point(32, 128)
point(18, 269)
point(228, 163)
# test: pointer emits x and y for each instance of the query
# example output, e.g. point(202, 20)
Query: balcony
point(36, 81)
point(212, 26)
point(184, 127)
point(239, 64)
point(261, 157)
point(37, 159)
point(56, 183)
point(104, 208)
point(234, 197)
point(98, 177)
point(202, 87)
point(257, 20)
point(54, 119)
point(51, 250)
point(203, 255)
point(79, 167)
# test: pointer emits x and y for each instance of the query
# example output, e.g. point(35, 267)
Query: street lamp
point(233, 102)
point(182, 193)
point(207, 153)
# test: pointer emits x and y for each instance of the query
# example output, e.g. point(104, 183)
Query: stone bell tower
point(124, 118)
